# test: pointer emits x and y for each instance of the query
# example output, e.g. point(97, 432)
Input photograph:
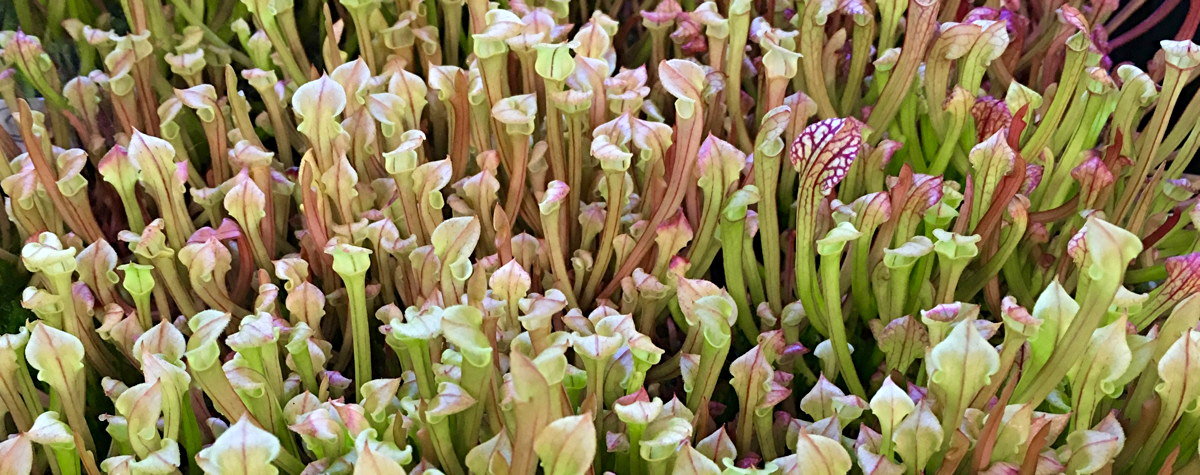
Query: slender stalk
point(356, 292)
point(612, 220)
point(739, 26)
point(830, 284)
point(732, 233)
point(516, 180)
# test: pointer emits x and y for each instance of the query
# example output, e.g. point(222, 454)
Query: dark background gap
point(1142, 49)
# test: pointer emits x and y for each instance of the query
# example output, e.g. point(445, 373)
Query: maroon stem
point(1165, 8)
point(1188, 30)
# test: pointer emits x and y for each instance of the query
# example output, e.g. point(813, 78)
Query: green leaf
point(142, 405)
point(461, 325)
point(1104, 250)
point(1015, 428)
point(554, 61)
point(1179, 382)
point(376, 457)
point(57, 356)
point(242, 448)
point(662, 438)
point(203, 347)
point(918, 437)
point(818, 403)
point(684, 80)
point(318, 103)
point(961, 365)
point(691, 462)
point(891, 405)
point(567, 445)
point(1105, 360)
point(492, 456)
point(48, 255)
point(1056, 309)
point(48, 430)
point(821, 455)
point(1089, 451)
point(454, 241)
